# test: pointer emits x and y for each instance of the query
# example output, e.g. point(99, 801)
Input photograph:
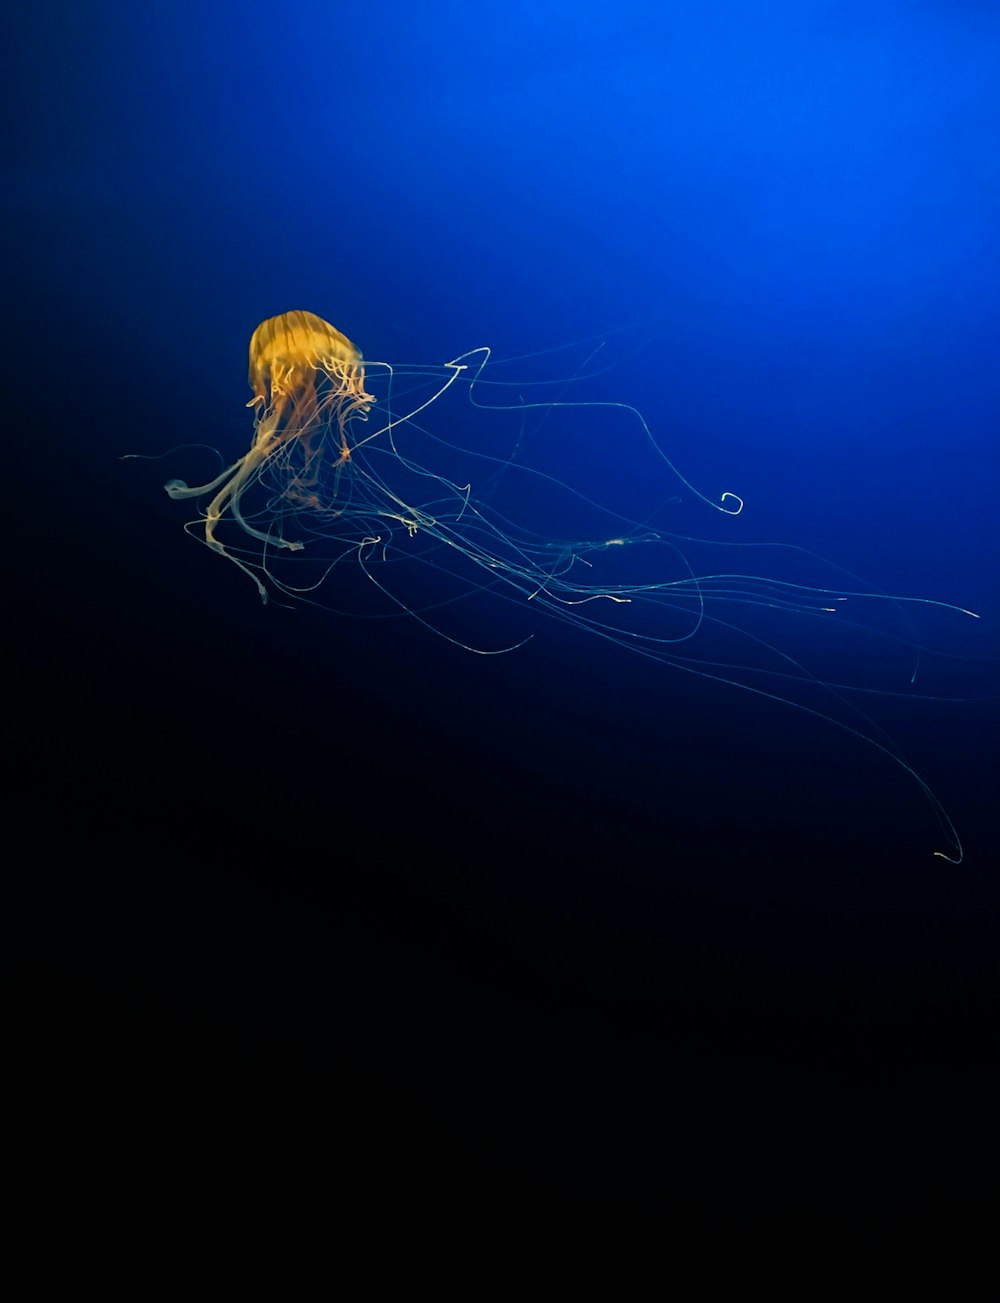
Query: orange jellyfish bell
point(290, 353)
point(308, 382)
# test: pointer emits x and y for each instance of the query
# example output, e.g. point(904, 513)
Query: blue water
point(770, 229)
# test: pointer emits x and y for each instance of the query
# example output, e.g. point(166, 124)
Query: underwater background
point(548, 915)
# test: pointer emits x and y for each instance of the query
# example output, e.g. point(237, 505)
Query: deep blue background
point(564, 866)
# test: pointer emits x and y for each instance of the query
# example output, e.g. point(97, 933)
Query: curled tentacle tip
point(950, 859)
point(731, 511)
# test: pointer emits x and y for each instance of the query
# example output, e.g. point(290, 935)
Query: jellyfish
point(433, 522)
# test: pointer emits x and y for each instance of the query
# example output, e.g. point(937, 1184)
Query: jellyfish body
point(307, 379)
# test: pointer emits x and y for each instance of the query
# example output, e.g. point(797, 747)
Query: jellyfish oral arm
point(178, 489)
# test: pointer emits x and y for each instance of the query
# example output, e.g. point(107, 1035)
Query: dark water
point(552, 914)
